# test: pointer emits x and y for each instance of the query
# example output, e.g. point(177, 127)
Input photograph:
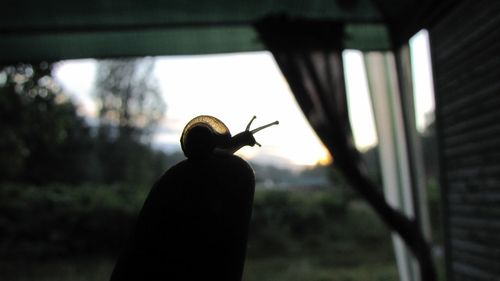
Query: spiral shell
point(202, 134)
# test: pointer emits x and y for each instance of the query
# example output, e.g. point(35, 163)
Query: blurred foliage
point(130, 108)
point(271, 269)
point(45, 140)
point(318, 268)
point(294, 235)
point(63, 269)
point(56, 220)
point(129, 98)
point(291, 222)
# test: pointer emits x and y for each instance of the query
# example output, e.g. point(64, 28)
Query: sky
point(235, 87)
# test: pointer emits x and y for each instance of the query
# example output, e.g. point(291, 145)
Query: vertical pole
point(394, 162)
point(413, 141)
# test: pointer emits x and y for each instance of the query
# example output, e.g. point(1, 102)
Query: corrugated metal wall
point(466, 60)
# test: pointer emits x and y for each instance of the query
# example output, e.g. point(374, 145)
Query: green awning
point(51, 30)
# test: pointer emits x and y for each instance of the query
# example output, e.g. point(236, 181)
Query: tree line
point(45, 139)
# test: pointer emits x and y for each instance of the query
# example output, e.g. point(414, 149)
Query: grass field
point(262, 269)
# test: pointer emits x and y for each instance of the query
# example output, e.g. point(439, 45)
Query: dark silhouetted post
point(194, 223)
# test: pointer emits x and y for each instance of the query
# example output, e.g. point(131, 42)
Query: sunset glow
point(231, 87)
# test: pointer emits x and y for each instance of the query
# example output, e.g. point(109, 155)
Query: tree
point(129, 97)
point(43, 138)
point(130, 107)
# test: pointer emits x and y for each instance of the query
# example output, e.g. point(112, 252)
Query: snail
point(206, 134)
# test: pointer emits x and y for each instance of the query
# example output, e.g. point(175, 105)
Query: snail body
point(205, 134)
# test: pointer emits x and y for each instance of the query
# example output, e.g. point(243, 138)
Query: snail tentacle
point(250, 123)
point(263, 127)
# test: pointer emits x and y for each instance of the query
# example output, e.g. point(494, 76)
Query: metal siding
point(466, 58)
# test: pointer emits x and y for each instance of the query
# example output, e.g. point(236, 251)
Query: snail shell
point(202, 135)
